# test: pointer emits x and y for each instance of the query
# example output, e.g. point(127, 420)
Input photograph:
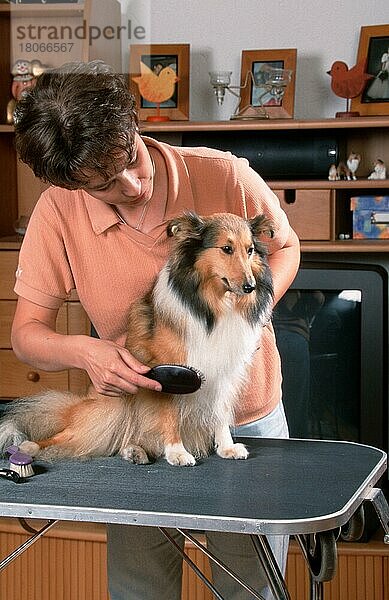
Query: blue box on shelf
point(370, 217)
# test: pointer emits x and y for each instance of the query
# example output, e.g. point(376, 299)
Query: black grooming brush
point(177, 379)
point(11, 475)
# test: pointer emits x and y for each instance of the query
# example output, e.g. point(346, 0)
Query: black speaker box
point(275, 154)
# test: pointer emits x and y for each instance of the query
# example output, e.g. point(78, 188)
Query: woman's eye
point(106, 187)
point(227, 249)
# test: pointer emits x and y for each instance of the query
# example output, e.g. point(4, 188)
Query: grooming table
point(307, 488)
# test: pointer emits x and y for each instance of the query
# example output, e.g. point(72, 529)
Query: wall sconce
point(272, 81)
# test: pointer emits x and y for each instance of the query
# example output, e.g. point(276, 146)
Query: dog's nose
point(248, 288)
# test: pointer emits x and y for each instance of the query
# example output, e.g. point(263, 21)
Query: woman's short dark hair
point(77, 120)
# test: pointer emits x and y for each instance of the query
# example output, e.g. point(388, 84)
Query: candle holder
point(268, 86)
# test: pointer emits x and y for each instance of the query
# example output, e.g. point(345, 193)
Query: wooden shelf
point(264, 124)
point(346, 246)
point(367, 132)
point(270, 124)
point(10, 242)
point(324, 184)
point(43, 10)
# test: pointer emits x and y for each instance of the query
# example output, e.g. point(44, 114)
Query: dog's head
point(227, 252)
point(192, 226)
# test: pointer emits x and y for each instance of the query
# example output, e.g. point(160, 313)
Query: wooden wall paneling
point(69, 563)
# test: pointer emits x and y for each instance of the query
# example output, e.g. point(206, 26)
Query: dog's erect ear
point(261, 226)
point(190, 225)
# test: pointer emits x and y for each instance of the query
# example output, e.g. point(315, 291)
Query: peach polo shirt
point(75, 241)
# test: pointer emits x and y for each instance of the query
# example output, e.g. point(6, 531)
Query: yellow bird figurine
point(156, 86)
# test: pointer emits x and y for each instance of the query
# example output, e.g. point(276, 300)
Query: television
point(332, 333)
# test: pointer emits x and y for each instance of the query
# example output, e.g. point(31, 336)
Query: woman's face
point(132, 183)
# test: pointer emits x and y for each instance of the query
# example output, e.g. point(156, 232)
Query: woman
point(101, 229)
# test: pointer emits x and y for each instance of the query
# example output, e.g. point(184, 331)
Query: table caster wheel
point(322, 555)
point(353, 530)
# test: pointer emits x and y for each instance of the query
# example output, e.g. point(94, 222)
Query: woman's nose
point(131, 185)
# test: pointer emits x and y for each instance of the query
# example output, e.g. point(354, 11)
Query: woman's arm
point(111, 368)
point(284, 264)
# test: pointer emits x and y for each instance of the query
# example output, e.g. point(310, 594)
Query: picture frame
point(255, 61)
point(374, 48)
point(156, 57)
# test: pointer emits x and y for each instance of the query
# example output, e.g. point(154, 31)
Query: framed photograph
point(259, 63)
point(374, 49)
point(166, 68)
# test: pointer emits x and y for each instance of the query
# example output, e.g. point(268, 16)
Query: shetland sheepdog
point(206, 309)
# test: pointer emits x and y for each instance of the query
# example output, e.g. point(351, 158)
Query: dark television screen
point(331, 337)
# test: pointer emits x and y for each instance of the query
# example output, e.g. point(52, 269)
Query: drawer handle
point(33, 376)
point(290, 196)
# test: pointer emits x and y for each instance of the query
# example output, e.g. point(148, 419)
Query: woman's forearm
point(39, 345)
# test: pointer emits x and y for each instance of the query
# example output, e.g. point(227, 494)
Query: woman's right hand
point(112, 369)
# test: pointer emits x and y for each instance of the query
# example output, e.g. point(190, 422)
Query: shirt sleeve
point(253, 197)
point(43, 275)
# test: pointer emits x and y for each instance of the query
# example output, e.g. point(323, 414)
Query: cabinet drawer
point(18, 379)
point(8, 266)
point(7, 311)
point(309, 212)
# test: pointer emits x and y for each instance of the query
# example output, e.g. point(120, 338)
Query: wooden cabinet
point(16, 378)
point(318, 209)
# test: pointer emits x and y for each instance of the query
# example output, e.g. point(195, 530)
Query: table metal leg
point(191, 564)
point(270, 566)
point(377, 498)
point(214, 559)
point(23, 547)
point(316, 590)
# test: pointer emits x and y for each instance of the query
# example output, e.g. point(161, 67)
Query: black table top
point(285, 486)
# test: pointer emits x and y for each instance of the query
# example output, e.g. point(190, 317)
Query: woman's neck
point(149, 215)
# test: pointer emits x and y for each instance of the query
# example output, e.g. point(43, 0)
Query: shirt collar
point(101, 215)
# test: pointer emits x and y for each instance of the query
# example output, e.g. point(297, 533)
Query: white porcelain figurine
point(379, 171)
point(353, 163)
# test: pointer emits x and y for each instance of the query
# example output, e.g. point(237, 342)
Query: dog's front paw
point(176, 455)
point(236, 451)
point(135, 455)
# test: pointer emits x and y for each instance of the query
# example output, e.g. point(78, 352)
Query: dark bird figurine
point(348, 83)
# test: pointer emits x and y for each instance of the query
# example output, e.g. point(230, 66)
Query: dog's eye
point(250, 251)
point(227, 249)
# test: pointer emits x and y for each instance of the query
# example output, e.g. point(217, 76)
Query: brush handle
point(8, 474)
point(176, 379)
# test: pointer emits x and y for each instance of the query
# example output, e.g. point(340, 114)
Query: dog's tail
point(34, 418)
